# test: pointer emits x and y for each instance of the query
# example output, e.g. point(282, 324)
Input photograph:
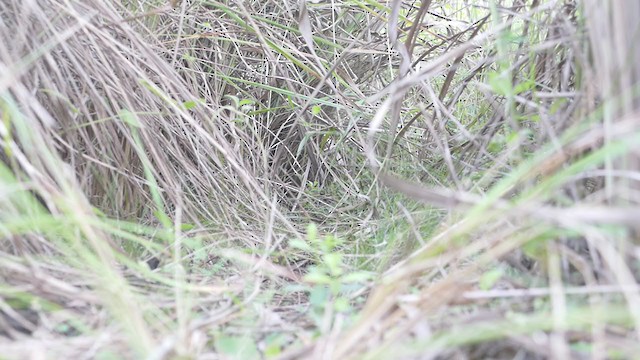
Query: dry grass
point(471, 168)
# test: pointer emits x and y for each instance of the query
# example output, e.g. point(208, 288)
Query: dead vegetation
point(243, 179)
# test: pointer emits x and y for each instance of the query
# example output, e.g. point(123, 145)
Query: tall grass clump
point(312, 179)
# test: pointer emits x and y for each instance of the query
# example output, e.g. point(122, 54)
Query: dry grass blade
point(306, 179)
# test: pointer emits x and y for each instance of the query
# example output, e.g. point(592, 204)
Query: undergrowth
point(313, 179)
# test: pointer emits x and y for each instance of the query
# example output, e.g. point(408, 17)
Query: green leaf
point(330, 243)
point(246, 102)
point(188, 105)
point(490, 278)
point(356, 277)
point(318, 296)
point(234, 99)
point(316, 276)
point(272, 350)
point(187, 227)
point(192, 243)
point(236, 347)
point(524, 86)
point(303, 142)
point(107, 355)
point(496, 144)
point(300, 244)
point(341, 304)
point(534, 249)
point(557, 105)
point(500, 83)
point(325, 138)
point(334, 262)
point(129, 118)
point(316, 110)
point(312, 232)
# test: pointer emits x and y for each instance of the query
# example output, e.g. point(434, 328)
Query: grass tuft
point(284, 180)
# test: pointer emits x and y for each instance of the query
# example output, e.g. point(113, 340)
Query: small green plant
point(330, 281)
